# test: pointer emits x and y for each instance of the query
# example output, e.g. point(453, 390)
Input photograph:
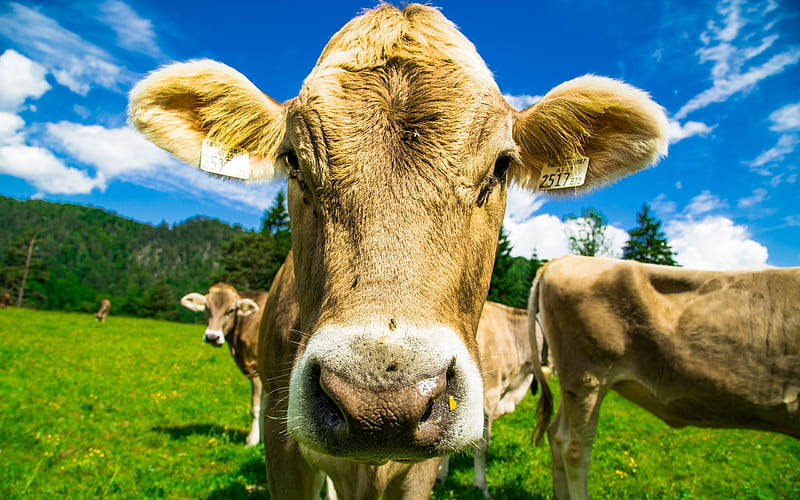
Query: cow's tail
point(544, 409)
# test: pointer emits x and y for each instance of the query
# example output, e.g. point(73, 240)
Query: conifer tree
point(501, 289)
point(647, 242)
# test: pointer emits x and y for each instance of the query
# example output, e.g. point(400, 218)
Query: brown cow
point(5, 299)
point(399, 149)
point(702, 348)
point(234, 317)
point(507, 365)
point(102, 312)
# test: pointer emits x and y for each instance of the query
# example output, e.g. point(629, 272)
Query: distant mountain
point(84, 254)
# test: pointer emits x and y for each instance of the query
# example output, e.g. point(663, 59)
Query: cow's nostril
point(328, 410)
point(427, 413)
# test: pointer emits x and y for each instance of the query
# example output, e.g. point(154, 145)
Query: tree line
point(69, 257)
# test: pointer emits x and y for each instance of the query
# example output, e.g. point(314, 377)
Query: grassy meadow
point(136, 408)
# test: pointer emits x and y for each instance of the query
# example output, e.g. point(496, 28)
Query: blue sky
point(727, 73)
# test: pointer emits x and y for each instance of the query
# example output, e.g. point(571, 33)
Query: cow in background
point(5, 299)
point(398, 151)
point(701, 348)
point(102, 312)
point(233, 318)
point(507, 363)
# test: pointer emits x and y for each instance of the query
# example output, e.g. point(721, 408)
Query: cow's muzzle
point(372, 401)
point(214, 337)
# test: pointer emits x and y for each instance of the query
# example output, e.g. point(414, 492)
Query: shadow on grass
point(251, 487)
point(180, 432)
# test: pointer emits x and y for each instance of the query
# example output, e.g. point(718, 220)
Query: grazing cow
point(506, 354)
point(399, 149)
point(234, 317)
point(701, 348)
point(5, 299)
point(102, 312)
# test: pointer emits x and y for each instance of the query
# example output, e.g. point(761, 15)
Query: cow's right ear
point(179, 106)
point(194, 301)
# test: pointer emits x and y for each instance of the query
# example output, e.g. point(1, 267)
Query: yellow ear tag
point(452, 402)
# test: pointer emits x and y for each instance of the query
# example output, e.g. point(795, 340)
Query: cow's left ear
point(182, 105)
point(616, 126)
point(246, 307)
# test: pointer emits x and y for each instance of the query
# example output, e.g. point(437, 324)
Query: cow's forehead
point(409, 87)
point(416, 33)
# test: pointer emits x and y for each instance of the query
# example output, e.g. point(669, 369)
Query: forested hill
point(83, 254)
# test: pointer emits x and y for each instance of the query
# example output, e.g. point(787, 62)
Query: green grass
point(137, 408)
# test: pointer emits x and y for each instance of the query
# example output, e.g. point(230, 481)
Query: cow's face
point(223, 307)
point(398, 150)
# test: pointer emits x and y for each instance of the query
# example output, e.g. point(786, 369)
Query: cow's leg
point(479, 457)
point(558, 435)
point(416, 484)
point(254, 437)
point(576, 431)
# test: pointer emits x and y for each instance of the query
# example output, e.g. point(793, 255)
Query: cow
point(5, 299)
point(102, 312)
point(399, 150)
point(506, 354)
point(700, 348)
point(234, 317)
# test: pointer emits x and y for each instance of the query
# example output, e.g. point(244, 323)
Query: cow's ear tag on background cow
point(568, 174)
point(228, 162)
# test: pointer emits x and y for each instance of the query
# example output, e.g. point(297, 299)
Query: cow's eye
point(501, 166)
point(291, 160)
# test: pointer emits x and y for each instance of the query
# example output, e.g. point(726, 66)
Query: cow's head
point(223, 305)
point(398, 149)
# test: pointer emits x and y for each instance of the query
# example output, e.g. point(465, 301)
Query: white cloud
point(521, 204)
point(714, 243)
point(547, 234)
point(20, 79)
point(113, 152)
point(786, 118)
point(10, 125)
point(42, 169)
point(678, 132)
point(74, 62)
point(786, 145)
point(520, 102)
point(703, 203)
point(734, 46)
point(756, 198)
point(133, 32)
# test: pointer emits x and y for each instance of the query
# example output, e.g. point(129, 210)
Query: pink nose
point(402, 421)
